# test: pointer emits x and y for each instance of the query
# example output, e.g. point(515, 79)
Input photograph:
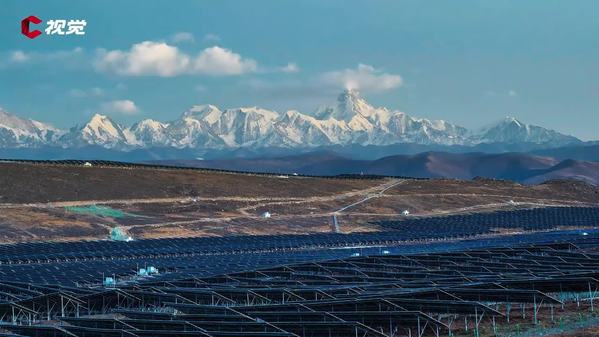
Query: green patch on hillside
point(103, 211)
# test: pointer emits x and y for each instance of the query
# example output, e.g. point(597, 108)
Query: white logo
point(64, 27)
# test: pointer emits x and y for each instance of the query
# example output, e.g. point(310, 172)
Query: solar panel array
point(84, 262)
point(425, 294)
point(526, 219)
point(419, 277)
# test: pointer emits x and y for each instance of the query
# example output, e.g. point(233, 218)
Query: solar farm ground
point(474, 258)
point(69, 201)
point(522, 285)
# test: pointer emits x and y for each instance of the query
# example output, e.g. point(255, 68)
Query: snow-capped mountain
point(511, 130)
point(19, 132)
point(236, 127)
point(206, 126)
point(354, 121)
point(350, 121)
point(150, 132)
point(100, 130)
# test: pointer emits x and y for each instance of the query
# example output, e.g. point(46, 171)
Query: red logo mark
point(25, 26)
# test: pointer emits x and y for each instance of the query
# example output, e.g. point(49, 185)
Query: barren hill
point(73, 202)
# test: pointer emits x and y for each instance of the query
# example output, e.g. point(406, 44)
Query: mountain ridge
point(352, 121)
point(520, 167)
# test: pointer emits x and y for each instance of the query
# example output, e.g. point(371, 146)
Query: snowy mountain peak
point(99, 119)
point(511, 120)
point(100, 130)
point(151, 124)
point(348, 99)
point(351, 120)
point(20, 132)
point(101, 126)
point(510, 130)
point(204, 111)
point(149, 132)
point(349, 105)
point(254, 110)
point(8, 120)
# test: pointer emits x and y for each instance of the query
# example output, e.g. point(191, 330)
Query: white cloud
point(211, 38)
point(220, 61)
point(161, 59)
point(512, 93)
point(365, 78)
point(70, 58)
point(71, 55)
point(290, 68)
point(182, 37)
point(125, 106)
point(145, 58)
point(19, 56)
point(91, 92)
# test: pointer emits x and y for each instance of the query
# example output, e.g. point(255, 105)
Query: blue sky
point(468, 62)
